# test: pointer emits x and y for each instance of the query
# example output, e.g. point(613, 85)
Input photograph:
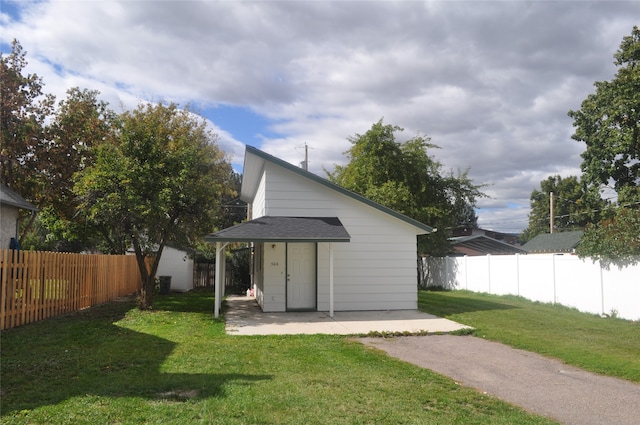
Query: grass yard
point(603, 345)
point(113, 364)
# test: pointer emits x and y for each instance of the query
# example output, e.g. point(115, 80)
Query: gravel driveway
point(539, 384)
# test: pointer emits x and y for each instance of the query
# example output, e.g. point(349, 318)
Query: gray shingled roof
point(554, 242)
point(485, 244)
point(284, 229)
point(9, 197)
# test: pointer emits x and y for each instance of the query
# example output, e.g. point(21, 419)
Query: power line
point(505, 221)
point(529, 219)
point(611, 207)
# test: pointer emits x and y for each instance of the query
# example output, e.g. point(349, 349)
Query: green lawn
point(113, 364)
point(602, 345)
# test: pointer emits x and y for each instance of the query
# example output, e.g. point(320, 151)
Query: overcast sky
point(490, 82)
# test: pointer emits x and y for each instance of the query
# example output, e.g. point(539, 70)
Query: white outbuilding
point(318, 246)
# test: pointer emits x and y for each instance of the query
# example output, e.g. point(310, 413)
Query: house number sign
point(274, 264)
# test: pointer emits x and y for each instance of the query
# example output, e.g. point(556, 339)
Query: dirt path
point(540, 385)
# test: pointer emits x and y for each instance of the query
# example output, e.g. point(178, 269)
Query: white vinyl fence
point(562, 279)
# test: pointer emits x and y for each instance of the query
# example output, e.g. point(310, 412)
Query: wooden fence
point(203, 275)
point(37, 285)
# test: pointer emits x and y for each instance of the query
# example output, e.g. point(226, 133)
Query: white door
point(301, 276)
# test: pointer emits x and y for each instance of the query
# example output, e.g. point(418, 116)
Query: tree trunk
point(27, 227)
point(145, 300)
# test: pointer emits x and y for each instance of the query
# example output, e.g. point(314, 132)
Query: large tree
point(23, 111)
point(573, 207)
point(79, 123)
point(406, 178)
point(616, 239)
point(43, 145)
point(160, 179)
point(608, 122)
point(234, 210)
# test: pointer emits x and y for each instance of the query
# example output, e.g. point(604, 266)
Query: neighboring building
point(483, 245)
point(318, 246)
point(178, 264)
point(509, 238)
point(554, 243)
point(10, 205)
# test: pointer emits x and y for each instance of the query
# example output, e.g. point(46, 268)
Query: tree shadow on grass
point(199, 300)
point(442, 304)
point(83, 354)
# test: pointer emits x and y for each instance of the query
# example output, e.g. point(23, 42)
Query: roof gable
point(254, 163)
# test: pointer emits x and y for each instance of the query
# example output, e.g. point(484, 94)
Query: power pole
point(305, 164)
point(551, 212)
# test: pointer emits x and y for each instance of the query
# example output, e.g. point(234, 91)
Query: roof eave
point(214, 239)
point(21, 206)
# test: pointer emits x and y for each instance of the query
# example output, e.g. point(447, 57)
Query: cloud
point(234, 148)
point(489, 82)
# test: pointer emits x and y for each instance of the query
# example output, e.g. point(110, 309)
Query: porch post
point(223, 267)
point(330, 280)
point(219, 277)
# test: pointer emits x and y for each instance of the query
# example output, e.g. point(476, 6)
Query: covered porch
point(324, 231)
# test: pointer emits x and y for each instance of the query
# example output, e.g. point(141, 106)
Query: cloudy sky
point(489, 82)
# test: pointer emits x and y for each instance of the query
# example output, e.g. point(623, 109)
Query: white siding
point(8, 219)
point(274, 277)
point(258, 204)
point(376, 270)
point(179, 266)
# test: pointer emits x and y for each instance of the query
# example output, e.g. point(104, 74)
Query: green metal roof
point(559, 242)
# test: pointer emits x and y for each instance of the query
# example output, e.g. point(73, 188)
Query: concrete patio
point(244, 317)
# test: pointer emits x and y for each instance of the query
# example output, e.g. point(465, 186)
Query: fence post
point(553, 268)
point(4, 279)
point(601, 288)
point(489, 272)
point(466, 273)
point(446, 270)
point(518, 274)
